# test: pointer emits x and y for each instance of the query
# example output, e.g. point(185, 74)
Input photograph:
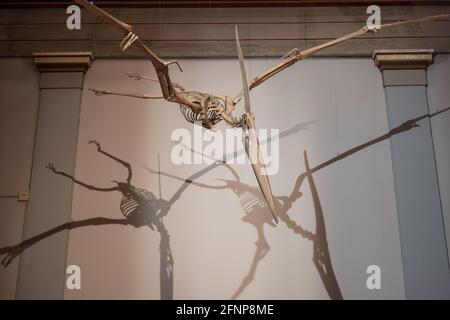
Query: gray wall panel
point(11, 224)
point(19, 99)
point(439, 98)
point(419, 209)
point(43, 265)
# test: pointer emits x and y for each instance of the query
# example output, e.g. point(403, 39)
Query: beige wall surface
point(335, 104)
point(212, 239)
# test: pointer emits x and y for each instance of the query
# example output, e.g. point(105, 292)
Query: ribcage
point(192, 117)
point(138, 201)
point(252, 200)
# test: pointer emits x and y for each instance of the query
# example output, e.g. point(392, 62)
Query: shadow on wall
point(141, 208)
point(257, 213)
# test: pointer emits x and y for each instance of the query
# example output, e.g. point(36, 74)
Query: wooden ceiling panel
point(218, 3)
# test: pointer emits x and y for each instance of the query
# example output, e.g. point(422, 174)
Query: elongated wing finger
point(158, 64)
point(253, 151)
point(105, 15)
point(251, 141)
point(296, 55)
point(243, 73)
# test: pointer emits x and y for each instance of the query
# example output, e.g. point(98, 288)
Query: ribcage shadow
point(141, 208)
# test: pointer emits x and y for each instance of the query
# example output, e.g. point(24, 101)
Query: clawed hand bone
point(138, 76)
point(51, 167)
point(135, 75)
point(173, 62)
point(372, 29)
point(96, 143)
point(99, 92)
point(291, 53)
point(128, 41)
point(12, 253)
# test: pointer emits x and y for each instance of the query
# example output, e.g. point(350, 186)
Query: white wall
point(439, 98)
point(341, 102)
point(213, 247)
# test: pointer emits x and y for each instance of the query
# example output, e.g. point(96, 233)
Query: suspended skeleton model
point(211, 109)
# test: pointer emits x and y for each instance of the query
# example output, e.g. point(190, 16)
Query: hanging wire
point(159, 178)
point(336, 111)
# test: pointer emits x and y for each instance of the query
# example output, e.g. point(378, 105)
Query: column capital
point(401, 59)
point(63, 61)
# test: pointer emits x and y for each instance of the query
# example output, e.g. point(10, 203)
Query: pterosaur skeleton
point(209, 109)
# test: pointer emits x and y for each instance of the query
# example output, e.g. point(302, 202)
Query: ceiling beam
point(217, 3)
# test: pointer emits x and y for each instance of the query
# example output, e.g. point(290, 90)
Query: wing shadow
point(256, 212)
point(146, 218)
point(256, 216)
